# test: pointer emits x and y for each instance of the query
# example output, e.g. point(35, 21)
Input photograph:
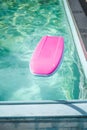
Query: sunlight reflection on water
point(22, 25)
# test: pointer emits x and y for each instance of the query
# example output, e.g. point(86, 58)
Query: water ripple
point(22, 24)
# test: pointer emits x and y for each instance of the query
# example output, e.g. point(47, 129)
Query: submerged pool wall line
point(76, 36)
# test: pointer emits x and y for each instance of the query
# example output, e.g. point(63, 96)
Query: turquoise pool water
point(22, 24)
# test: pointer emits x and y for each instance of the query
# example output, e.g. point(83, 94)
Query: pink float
point(47, 55)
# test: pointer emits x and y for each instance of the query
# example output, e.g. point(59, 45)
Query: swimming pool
point(22, 24)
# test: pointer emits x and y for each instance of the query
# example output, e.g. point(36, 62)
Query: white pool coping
point(76, 37)
point(43, 109)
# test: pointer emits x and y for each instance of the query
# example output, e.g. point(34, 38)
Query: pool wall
point(76, 36)
point(43, 115)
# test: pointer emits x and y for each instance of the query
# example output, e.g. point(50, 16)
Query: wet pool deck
point(81, 21)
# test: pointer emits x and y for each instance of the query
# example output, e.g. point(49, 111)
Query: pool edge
point(76, 36)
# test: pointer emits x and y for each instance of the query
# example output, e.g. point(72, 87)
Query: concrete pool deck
point(46, 115)
point(81, 21)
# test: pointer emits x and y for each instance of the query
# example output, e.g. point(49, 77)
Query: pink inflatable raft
point(47, 55)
